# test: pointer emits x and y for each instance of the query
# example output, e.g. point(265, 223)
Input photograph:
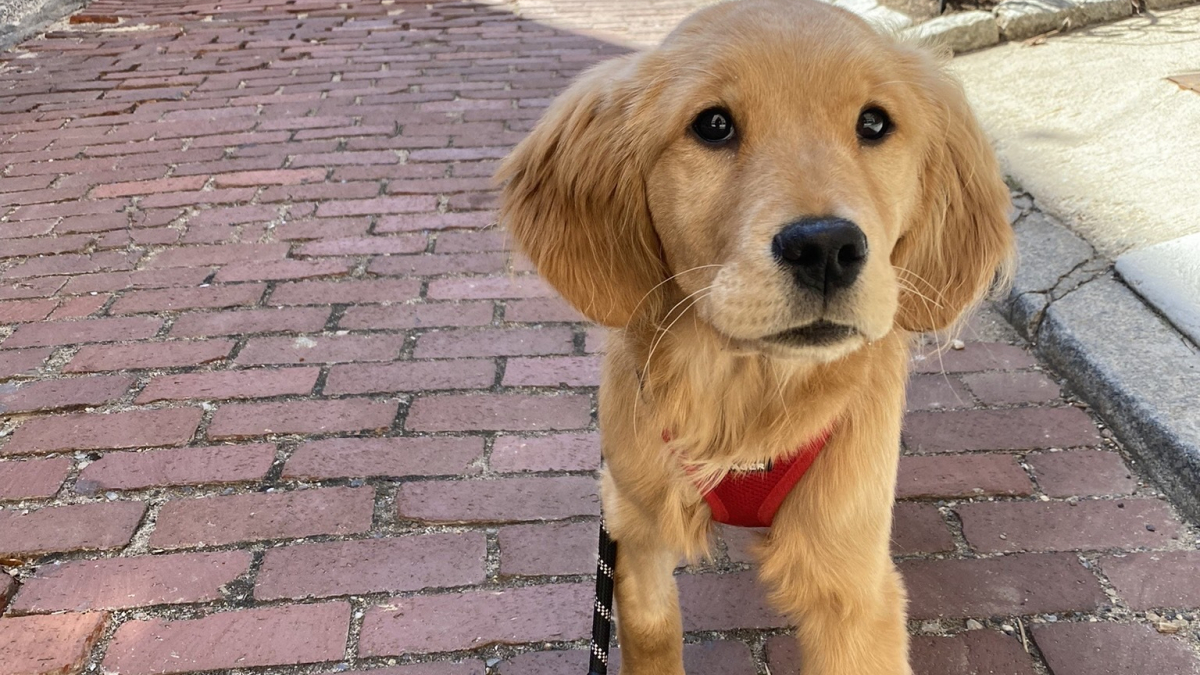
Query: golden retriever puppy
point(763, 208)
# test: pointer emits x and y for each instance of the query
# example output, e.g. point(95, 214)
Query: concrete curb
point(1120, 356)
point(1013, 20)
point(36, 21)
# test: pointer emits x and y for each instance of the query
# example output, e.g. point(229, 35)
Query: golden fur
point(645, 229)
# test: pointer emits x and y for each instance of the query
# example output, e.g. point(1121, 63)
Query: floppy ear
point(575, 199)
point(961, 237)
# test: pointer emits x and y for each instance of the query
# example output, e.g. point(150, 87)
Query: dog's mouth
point(816, 334)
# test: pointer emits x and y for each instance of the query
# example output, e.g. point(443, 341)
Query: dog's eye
point(873, 124)
point(714, 125)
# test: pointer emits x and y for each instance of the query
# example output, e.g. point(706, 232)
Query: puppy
point(763, 209)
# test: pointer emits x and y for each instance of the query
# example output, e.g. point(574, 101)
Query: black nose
point(825, 254)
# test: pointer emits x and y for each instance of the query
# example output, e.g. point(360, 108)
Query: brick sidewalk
point(274, 394)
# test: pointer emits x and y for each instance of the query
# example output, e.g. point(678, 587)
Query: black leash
point(606, 572)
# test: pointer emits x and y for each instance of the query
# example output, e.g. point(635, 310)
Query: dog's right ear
point(575, 198)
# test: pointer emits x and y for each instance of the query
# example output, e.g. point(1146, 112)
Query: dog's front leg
point(648, 621)
point(836, 581)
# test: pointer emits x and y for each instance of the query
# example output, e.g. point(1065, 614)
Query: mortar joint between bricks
point(139, 543)
point(954, 522)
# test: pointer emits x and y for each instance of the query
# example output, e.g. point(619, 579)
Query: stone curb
point(36, 21)
point(1013, 20)
point(1124, 359)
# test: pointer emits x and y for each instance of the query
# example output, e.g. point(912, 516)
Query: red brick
point(320, 349)
point(32, 479)
point(174, 299)
point(410, 376)
point(258, 383)
point(783, 654)
point(21, 311)
point(919, 528)
point(1006, 388)
point(98, 526)
point(568, 371)
point(269, 636)
point(471, 241)
point(116, 281)
point(176, 466)
point(596, 336)
point(142, 581)
point(284, 269)
point(322, 228)
point(975, 652)
point(277, 319)
point(79, 307)
point(48, 645)
point(379, 205)
point(502, 499)
point(64, 393)
point(1014, 429)
point(1030, 583)
point(434, 315)
point(962, 476)
point(1082, 472)
point(148, 187)
point(552, 662)
point(557, 452)
point(29, 288)
point(392, 457)
point(29, 228)
point(1113, 649)
point(429, 264)
point(54, 333)
point(22, 361)
point(365, 246)
point(438, 668)
point(42, 246)
point(101, 431)
point(345, 292)
point(236, 215)
point(141, 355)
point(1067, 526)
point(213, 521)
point(494, 342)
point(372, 566)
point(1156, 579)
point(548, 549)
point(448, 622)
point(436, 221)
point(538, 310)
point(197, 198)
point(63, 264)
point(976, 356)
point(486, 288)
point(205, 256)
point(358, 159)
point(499, 412)
point(724, 602)
point(234, 420)
point(275, 177)
point(717, 657)
point(937, 392)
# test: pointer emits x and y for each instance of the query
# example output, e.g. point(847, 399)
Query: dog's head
point(807, 183)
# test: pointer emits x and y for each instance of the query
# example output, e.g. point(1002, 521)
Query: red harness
point(751, 498)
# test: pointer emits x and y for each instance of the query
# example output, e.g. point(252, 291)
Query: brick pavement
point(274, 394)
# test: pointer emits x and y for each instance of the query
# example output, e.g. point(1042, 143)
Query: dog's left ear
point(961, 239)
point(575, 198)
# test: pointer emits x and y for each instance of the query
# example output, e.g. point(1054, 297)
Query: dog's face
point(804, 183)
